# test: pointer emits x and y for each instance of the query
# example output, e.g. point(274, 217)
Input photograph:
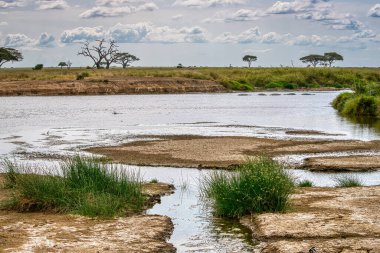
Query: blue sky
point(194, 32)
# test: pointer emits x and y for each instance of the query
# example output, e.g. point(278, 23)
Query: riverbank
point(223, 152)
point(239, 79)
point(109, 86)
point(333, 220)
point(51, 232)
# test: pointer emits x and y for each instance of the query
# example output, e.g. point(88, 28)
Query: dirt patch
point(219, 152)
point(109, 86)
point(332, 220)
point(49, 232)
point(350, 163)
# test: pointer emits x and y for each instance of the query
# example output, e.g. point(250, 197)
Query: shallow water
point(31, 126)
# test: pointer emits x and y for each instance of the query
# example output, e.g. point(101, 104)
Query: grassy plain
point(233, 78)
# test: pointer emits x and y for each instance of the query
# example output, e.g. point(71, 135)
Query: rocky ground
point(341, 220)
point(50, 232)
point(225, 152)
point(109, 86)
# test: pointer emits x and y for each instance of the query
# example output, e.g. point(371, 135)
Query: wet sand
point(50, 232)
point(109, 86)
point(220, 152)
point(350, 163)
point(333, 220)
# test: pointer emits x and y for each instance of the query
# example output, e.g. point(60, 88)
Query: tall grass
point(233, 78)
point(260, 185)
point(87, 187)
point(347, 181)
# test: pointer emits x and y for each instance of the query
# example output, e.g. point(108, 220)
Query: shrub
point(362, 105)
point(347, 181)
point(82, 76)
point(305, 183)
point(38, 67)
point(340, 100)
point(87, 187)
point(260, 185)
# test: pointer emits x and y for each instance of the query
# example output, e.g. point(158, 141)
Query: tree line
point(103, 54)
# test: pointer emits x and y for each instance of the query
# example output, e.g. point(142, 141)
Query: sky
point(194, 32)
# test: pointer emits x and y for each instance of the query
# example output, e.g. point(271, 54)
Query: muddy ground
point(342, 220)
point(222, 152)
point(50, 232)
point(109, 86)
point(349, 163)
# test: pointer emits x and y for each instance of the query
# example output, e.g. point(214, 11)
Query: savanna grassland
point(233, 78)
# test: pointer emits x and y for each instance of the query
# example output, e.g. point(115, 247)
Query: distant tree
point(9, 55)
point(38, 67)
point(68, 64)
point(249, 59)
point(332, 57)
point(179, 66)
point(313, 59)
point(125, 59)
point(100, 54)
point(62, 64)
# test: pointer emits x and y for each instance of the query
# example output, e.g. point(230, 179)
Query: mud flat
point(341, 220)
point(49, 232)
point(109, 86)
point(219, 152)
point(350, 163)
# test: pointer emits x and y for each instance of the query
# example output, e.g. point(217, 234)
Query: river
point(35, 127)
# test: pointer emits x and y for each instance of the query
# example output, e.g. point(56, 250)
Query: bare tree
point(101, 53)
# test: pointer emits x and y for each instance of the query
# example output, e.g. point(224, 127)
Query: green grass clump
point(87, 187)
point(260, 185)
point(347, 181)
point(361, 105)
point(305, 183)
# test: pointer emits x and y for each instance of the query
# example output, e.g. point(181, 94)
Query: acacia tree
point(313, 59)
point(62, 64)
point(101, 53)
point(332, 57)
point(126, 59)
point(9, 54)
point(249, 59)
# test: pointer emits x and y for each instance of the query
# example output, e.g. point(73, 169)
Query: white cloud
point(244, 15)
point(3, 23)
point(117, 8)
point(177, 17)
point(167, 34)
point(129, 33)
point(52, 4)
point(206, 3)
point(81, 34)
point(5, 4)
point(18, 40)
point(46, 40)
point(375, 11)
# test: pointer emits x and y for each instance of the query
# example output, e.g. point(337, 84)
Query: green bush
point(38, 67)
point(347, 181)
point(87, 187)
point(260, 185)
point(362, 105)
point(82, 76)
point(340, 100)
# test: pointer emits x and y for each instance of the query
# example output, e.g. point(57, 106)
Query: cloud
point(117, 8)
point(244, 15)
point(81, 34)
point(167, 34)
point(206, 3)
point(375, 11)
point(52, 4)
point(6, 4)
point(3, 23)
point(177, 17)
point(129, 33)
point(46, 40)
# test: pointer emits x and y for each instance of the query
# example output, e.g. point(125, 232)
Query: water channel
point(35, 127)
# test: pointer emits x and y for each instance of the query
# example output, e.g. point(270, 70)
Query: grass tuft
point(88, 187)
point(347, 181)
point(259, 185)
point(305, 183)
